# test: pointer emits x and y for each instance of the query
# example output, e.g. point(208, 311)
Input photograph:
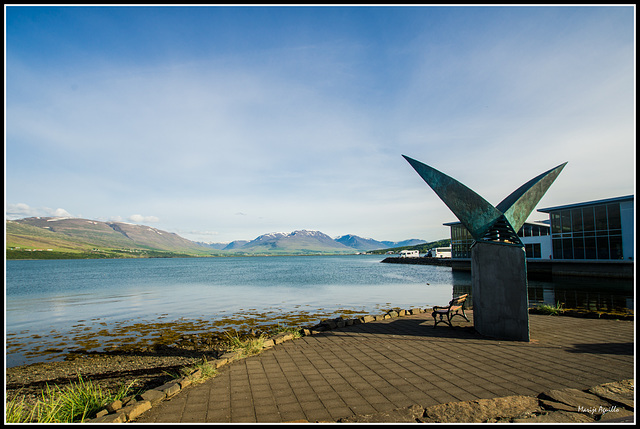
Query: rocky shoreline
point(155, 368)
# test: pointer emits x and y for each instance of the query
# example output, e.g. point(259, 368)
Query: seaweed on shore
point(195, 335)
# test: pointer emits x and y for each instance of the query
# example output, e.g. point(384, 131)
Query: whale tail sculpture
point(484, 221)
point(498, 272)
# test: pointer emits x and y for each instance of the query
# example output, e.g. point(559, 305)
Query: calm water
point(53, 307)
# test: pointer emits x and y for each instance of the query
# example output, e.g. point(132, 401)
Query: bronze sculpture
point(484, 221)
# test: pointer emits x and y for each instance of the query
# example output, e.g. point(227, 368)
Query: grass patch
point(550, 309)
point(74, 403)
point(206, 370)
point(289, 329)
point(249, 345)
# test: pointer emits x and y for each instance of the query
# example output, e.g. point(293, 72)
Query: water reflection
point(604, 295)
point(583, 293)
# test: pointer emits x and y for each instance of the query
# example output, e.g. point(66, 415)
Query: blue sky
point(224, 123)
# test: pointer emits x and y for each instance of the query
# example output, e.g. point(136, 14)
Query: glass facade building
point(593, 230)
point(600, 230)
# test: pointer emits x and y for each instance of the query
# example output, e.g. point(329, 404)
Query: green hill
point(62, 238)
point(422, 248)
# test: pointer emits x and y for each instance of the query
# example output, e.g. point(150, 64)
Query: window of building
point(557, 248)
point(533, 250)
point(578, 248)
point(588, 219)
point(565, 216)
point(615, 246)
point(602, 244)
point(587, 233)
point(556, 226)
point(590, 248)
point(461, 241)
point(567, 248)
point(613, 218)
point(576, 221)
point(530, 230)
point(601, 218)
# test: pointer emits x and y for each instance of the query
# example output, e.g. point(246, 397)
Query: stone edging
point(130, 408)
point(608, 402)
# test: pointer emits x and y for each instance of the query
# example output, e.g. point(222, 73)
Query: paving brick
point(268, 417)
point(388, 364)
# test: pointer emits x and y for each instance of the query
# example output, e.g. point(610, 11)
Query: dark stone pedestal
point(499, 291)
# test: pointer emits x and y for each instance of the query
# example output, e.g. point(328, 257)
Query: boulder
point(368, 318)
point(482, 410)
point(169, 389)
point(282, 337)
point(618, 413)
point(619, 392)
point(153, 396)
point(134, 410)
point(114, 406)
point(557, 417)
point(581, 402)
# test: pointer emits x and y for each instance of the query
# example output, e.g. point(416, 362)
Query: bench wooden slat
point(455, 305)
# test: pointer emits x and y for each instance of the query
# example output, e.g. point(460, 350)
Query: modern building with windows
point(593, 238)
point(593, 230)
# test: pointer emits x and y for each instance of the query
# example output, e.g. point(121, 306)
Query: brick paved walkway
point(394, 363)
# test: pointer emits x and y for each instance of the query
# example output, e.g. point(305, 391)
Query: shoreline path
point(396, 363)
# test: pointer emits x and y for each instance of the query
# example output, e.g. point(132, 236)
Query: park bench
point(450, 311)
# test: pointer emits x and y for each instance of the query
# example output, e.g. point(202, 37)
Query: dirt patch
point(143, 370)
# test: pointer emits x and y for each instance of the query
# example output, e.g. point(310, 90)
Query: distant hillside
point(60, 238)
point(217, 246)
point(44, 237)
point(297, 242)
point(359, 243)
point(422, 248)
point(236, 244)
point(410, 242)
point(367, 244)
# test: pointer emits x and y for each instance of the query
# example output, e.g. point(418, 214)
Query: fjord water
point(51, 302)
point(54, 306)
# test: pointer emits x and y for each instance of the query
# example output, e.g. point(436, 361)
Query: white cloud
point(22, 210)
point(143, 219)
point(310, 138)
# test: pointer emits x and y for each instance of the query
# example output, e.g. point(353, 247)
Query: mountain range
point(370, 244)
point(75, 237)
point(305, 240)
point(281, 239)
